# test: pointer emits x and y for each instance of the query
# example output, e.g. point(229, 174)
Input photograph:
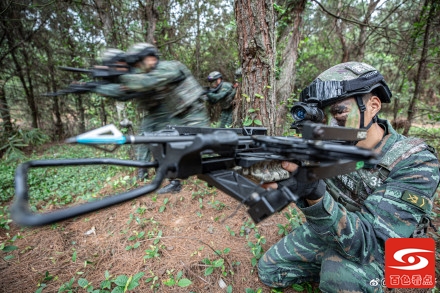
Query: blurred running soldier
point(172, 97)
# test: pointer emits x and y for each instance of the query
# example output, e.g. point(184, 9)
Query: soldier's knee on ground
point(270, 274)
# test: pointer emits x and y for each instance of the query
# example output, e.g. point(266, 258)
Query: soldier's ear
point(374, 105)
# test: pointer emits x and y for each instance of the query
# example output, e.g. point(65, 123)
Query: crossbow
point(214, 155)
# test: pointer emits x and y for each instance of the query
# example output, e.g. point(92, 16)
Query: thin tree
point(432, 7)
point(290, 17)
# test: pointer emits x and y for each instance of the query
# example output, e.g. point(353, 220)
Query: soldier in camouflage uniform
point(172, 97)
point(221, 92)
point(349, 217)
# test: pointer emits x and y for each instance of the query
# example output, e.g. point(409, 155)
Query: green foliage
point(217, 205)
point(53, 186)
point(250, 290)
point(257, 249)
point(7, 179)
point(42, 283)
point(294, 220)
point(176, 280)
point(13, 146)
point(135, 237)
point(163, 206)
point(154, 250)
point(250, 119)
point(7, 247)
point(67, 287)
point(120, 284)
point(211, 265)
point(305, 287)
point(5, 218)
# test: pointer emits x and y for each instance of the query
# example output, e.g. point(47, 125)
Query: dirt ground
point(195, 224)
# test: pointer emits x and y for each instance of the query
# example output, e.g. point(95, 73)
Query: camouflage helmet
point(110, 56)
point(139, 51)
point(343, 81)
point(214, 76)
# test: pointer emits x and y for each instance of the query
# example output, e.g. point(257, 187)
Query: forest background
point(280, 46)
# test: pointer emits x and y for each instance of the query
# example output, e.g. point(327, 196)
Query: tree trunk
point(151, 16)
point(422, 66)
point(289, 55)
point(58, 132)
point(103, 8)
point(5, 113)
point(197, 72)
point(255, 30)
point(81, 112)
point(354, 51)
point(23, 76)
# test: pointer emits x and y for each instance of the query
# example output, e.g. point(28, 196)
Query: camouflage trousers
point(225, 118)
point(302, 257)
point(196, 115)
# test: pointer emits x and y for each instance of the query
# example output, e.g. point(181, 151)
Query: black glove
point(300, 186)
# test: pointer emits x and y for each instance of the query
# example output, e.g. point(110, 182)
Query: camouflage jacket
point(224, 95)
point(169, 89)
point(390, 202)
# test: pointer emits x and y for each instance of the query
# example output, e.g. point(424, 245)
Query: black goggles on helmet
point(320, 94)
point(327, 92)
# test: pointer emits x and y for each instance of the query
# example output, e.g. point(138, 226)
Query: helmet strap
point(362, 109)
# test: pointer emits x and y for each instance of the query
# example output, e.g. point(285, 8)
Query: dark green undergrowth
point(62, 185)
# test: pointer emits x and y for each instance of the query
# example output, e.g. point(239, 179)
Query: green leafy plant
point(294, 220)
point(153, 279)
point(163, 207)
point(135, 237)
point(247, 227)
point(211, 265)
point(127, 283)
point(154, 251)
point(7, 180)
point(122, 283)
point(176, 280)
point(7, 247)
point(256, 248)
point(42, 283)
point(217, 205)
point(231, 232)
point(5, 217)
point(67, 287)
point(12, 147)
point(251, 118)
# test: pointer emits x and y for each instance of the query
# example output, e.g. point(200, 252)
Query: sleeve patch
point(416, 200)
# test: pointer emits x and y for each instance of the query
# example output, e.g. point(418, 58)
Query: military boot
point(173, 187)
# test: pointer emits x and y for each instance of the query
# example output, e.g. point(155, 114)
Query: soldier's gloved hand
point(303, 188)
